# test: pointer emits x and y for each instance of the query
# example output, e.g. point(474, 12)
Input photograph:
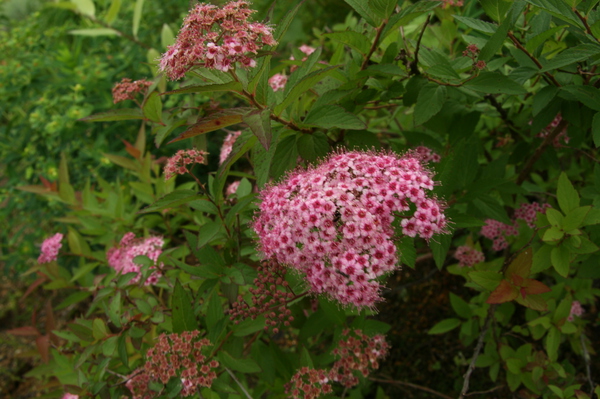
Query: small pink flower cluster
point(121, 258)
point(178, 163)
point(561, 136)
point(576, 310)
point(267, 298)
point(334, 222)
point(228, 145)
point(468, 256)
point(308, 383)
point(179, 356)
point(472, 52)
point(50, 248)
point(216, 38)
point(232, 188)
point(126, 89)
point(278, 81)
point(498, 231)
point(450, 3)
point(70, 396)
point(426, 154)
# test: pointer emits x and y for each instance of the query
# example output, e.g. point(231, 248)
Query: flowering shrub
point(50, 248)
point(287, 285)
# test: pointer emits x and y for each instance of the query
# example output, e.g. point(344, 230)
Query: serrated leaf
point(183, 313)
point(534, 42)
point(333, 116)
point(172, 200)
point(283, 25)
point(115, 115)
point(93, 32)
point(163, 131)
point(429, 102)
point(559, 9)
point(477, 24)
point(444, 326)
point(383, 8)
point(572, 55)
point(353, 39)
point(229, 86)
point(504, 292)
point(285, 156)
point(313, 146)
point(596, 129)
point(362, 8)
point(260, 124)
point(587, 95)
point(568, 198)
point(521, 266)
point(152, 107)
point(543, 97)
point(561, 260)
point(575, 218)
point(99, 329)
point(552, 343)
point(495, 82)
point(486, 279)
point(216, 121)
point(241, 365)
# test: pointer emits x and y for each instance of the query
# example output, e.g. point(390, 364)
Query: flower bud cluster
point(270, 297)
point(498, 231)
point(121, 258)
point(50, 248)
point(561, 136)
point(178, 163)
point(175, 356)
point(426, 154)
point(333, 223)
point(472, 52)
point(576, 310)
point(126, 89)
point(228, 145)
point(216, 38)
point(308, 383)
point(468, 256)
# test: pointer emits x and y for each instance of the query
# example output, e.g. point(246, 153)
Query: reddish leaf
point(532, 287)
point(50, 322)
point(43, 346)
point(504, 292)
point(521, 266)
point(27, 331)
point(33, 286)
point(534, 302)
point(517, 280)
point(134, 152)
point(216, 121)
point(49, 185)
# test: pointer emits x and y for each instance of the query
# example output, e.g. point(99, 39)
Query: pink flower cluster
point(450, 3)
point(308, 383)
point(126, 89)
point(334, 222)
point(178, 163)
point(426, 154)
point(468, 256)
point(70, 396)
point(278, 81)
point(576, 310)
point(175, 356)
point(498, 231)
point(228, 145)
point(121, 258)
point(561, 136)
point(472, 52)
point(216, 38)
point(50, 248)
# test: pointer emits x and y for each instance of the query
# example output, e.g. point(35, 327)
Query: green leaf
point(543, 97)
point(172, 200)
point(115, 115)
point(568, 198)
point(85, 7)
point(99, 329)
point(137, 16)
point(430, 101)
point(206, 271)
point(152, 107)
point(383, 8)
point(533, 43)
point(439, 247)
point(587, 95)
point(486, 279)
point(575, 218)
point(572, 55)
point(521, 266)
point(561, 260)
point(115, 310)
point(496, 9)
point(553, 234)
point(312, 146)
point(249, 326)
point(490, 207)
point(596, 129)
point(477, 24)
point(285, 156)
point(495, 82)
point(241, 365)
point(283, 25)
point(554, 217)
point(163, 131)
point(207, 233)
point(333, 116)
point(260, 124)
point(362, 8)
point(113, 11)
point(167, 37)
point(353, 39)
point(558, 9)
point(305, 84)
point(460, 306)
point(72, 299)
point(216, 121)
point(552, 343)
point(210, 87)
point(184, 318)
point(93, 32)
point(444, 326)
point(407, 251)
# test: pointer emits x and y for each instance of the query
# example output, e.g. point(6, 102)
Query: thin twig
point(409, 384)
point(484, 392)
point(588, 369)
point(482, 335)
point(583, 19)
point(547, 75)
point(414, 69)
point(239, 383)
point(365, 62)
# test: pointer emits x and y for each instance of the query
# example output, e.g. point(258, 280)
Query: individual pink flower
point(70, 396)
point(216, 38)
point(468, 256)
point(228, 145)
point(178, 164)
point(278, 81)
point(126, 89)
point(333, 222)
point(121, 257)
point(576, 310)
point(50, 248)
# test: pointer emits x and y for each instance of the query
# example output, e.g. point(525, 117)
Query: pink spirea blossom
point(450, 3)
point(426, 154)
point(561, 136)
point(528, 212)
point(70, 396)
point(308, 383)
point(126, 89)
point(50, 248)
point(278, 81)
point(175, 356)
point(228, 145)
point(333, 223)
point(216, 38)
point(468, 256)
point(178, 164)
point(232, 188)
point(121, 257)
point(576, 310)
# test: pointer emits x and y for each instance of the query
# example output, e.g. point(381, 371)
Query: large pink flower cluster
point(178, 163)
point(121, 258)
point(50, 248)
point(334, 222)
point(216, 38)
